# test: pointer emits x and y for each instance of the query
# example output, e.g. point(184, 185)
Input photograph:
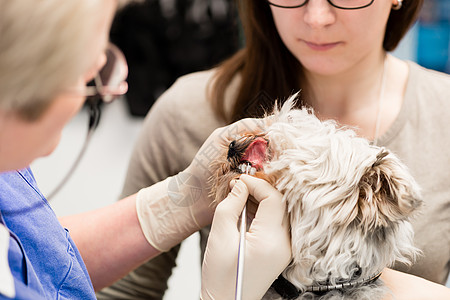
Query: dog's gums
point(248, 154)
point(255, 154)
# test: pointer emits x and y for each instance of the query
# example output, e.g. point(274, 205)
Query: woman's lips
point(321, 46)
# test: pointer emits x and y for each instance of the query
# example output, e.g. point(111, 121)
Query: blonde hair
point(43, 50)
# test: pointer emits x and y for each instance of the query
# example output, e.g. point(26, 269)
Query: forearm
point(110, 241)
point(410, 287)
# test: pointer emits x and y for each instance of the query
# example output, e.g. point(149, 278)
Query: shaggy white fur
point(349, 203)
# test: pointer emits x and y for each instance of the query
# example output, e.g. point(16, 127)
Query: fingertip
point(232, 205)
point(259, 188)
point(251, 181)
point(246, 176)
point(239, 188)
point(233, 182)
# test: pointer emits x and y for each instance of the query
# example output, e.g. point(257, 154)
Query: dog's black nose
point(232, 151)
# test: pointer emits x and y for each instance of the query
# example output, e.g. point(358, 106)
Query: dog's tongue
point(256, 153)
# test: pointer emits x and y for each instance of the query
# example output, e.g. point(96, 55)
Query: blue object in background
point(433, 35)
point(433, 46)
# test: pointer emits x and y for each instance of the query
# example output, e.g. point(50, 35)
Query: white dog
point(349, 203)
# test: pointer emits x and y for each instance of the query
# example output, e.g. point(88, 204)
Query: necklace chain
point(380, 102)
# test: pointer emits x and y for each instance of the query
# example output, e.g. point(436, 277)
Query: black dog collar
point(288, 291)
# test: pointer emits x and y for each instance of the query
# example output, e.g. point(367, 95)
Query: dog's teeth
point(247, 169)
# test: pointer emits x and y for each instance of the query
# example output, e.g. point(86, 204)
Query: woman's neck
point(358, 98)
point(343, 94)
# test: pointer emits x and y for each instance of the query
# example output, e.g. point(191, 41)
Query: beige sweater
point(182, 119)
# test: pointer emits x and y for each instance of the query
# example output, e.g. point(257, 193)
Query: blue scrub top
point(43, 259)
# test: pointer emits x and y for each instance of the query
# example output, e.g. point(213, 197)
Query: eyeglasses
point(107, 85)
point(341, 4)
point(110, 82)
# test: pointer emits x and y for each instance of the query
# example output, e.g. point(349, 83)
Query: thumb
point(271, 207)
point(224, 235)
point(229, 210)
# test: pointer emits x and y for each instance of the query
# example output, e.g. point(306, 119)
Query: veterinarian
point(48, 51)
point(336, 53)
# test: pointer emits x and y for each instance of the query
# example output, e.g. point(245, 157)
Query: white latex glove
point(173, 209)
point(268, 245)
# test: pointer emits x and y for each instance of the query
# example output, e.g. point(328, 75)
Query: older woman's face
point(23, 141)
point(327, 40)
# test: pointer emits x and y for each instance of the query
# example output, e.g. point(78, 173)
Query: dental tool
point(241, 251)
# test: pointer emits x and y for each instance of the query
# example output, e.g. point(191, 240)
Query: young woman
point(49, 50)
point(336, 53)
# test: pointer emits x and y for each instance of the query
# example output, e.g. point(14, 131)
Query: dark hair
point(267, 68)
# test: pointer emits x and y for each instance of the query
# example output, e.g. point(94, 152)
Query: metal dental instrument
point(241, 251)
point(241, 254)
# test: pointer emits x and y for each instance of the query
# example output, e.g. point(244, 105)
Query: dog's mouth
point(248, 154)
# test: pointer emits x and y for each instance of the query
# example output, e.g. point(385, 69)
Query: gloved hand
point(268, 245)
point(173, 209)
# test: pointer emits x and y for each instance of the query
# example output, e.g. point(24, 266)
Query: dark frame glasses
point(352, 4)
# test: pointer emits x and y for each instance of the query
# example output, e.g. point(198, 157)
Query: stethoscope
point(107, 85)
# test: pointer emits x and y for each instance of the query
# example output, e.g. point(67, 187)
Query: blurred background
point(162, 40)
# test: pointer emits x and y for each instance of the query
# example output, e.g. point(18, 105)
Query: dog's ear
point(387, 193)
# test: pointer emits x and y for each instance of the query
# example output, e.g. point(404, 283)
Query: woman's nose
point(319, 13)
